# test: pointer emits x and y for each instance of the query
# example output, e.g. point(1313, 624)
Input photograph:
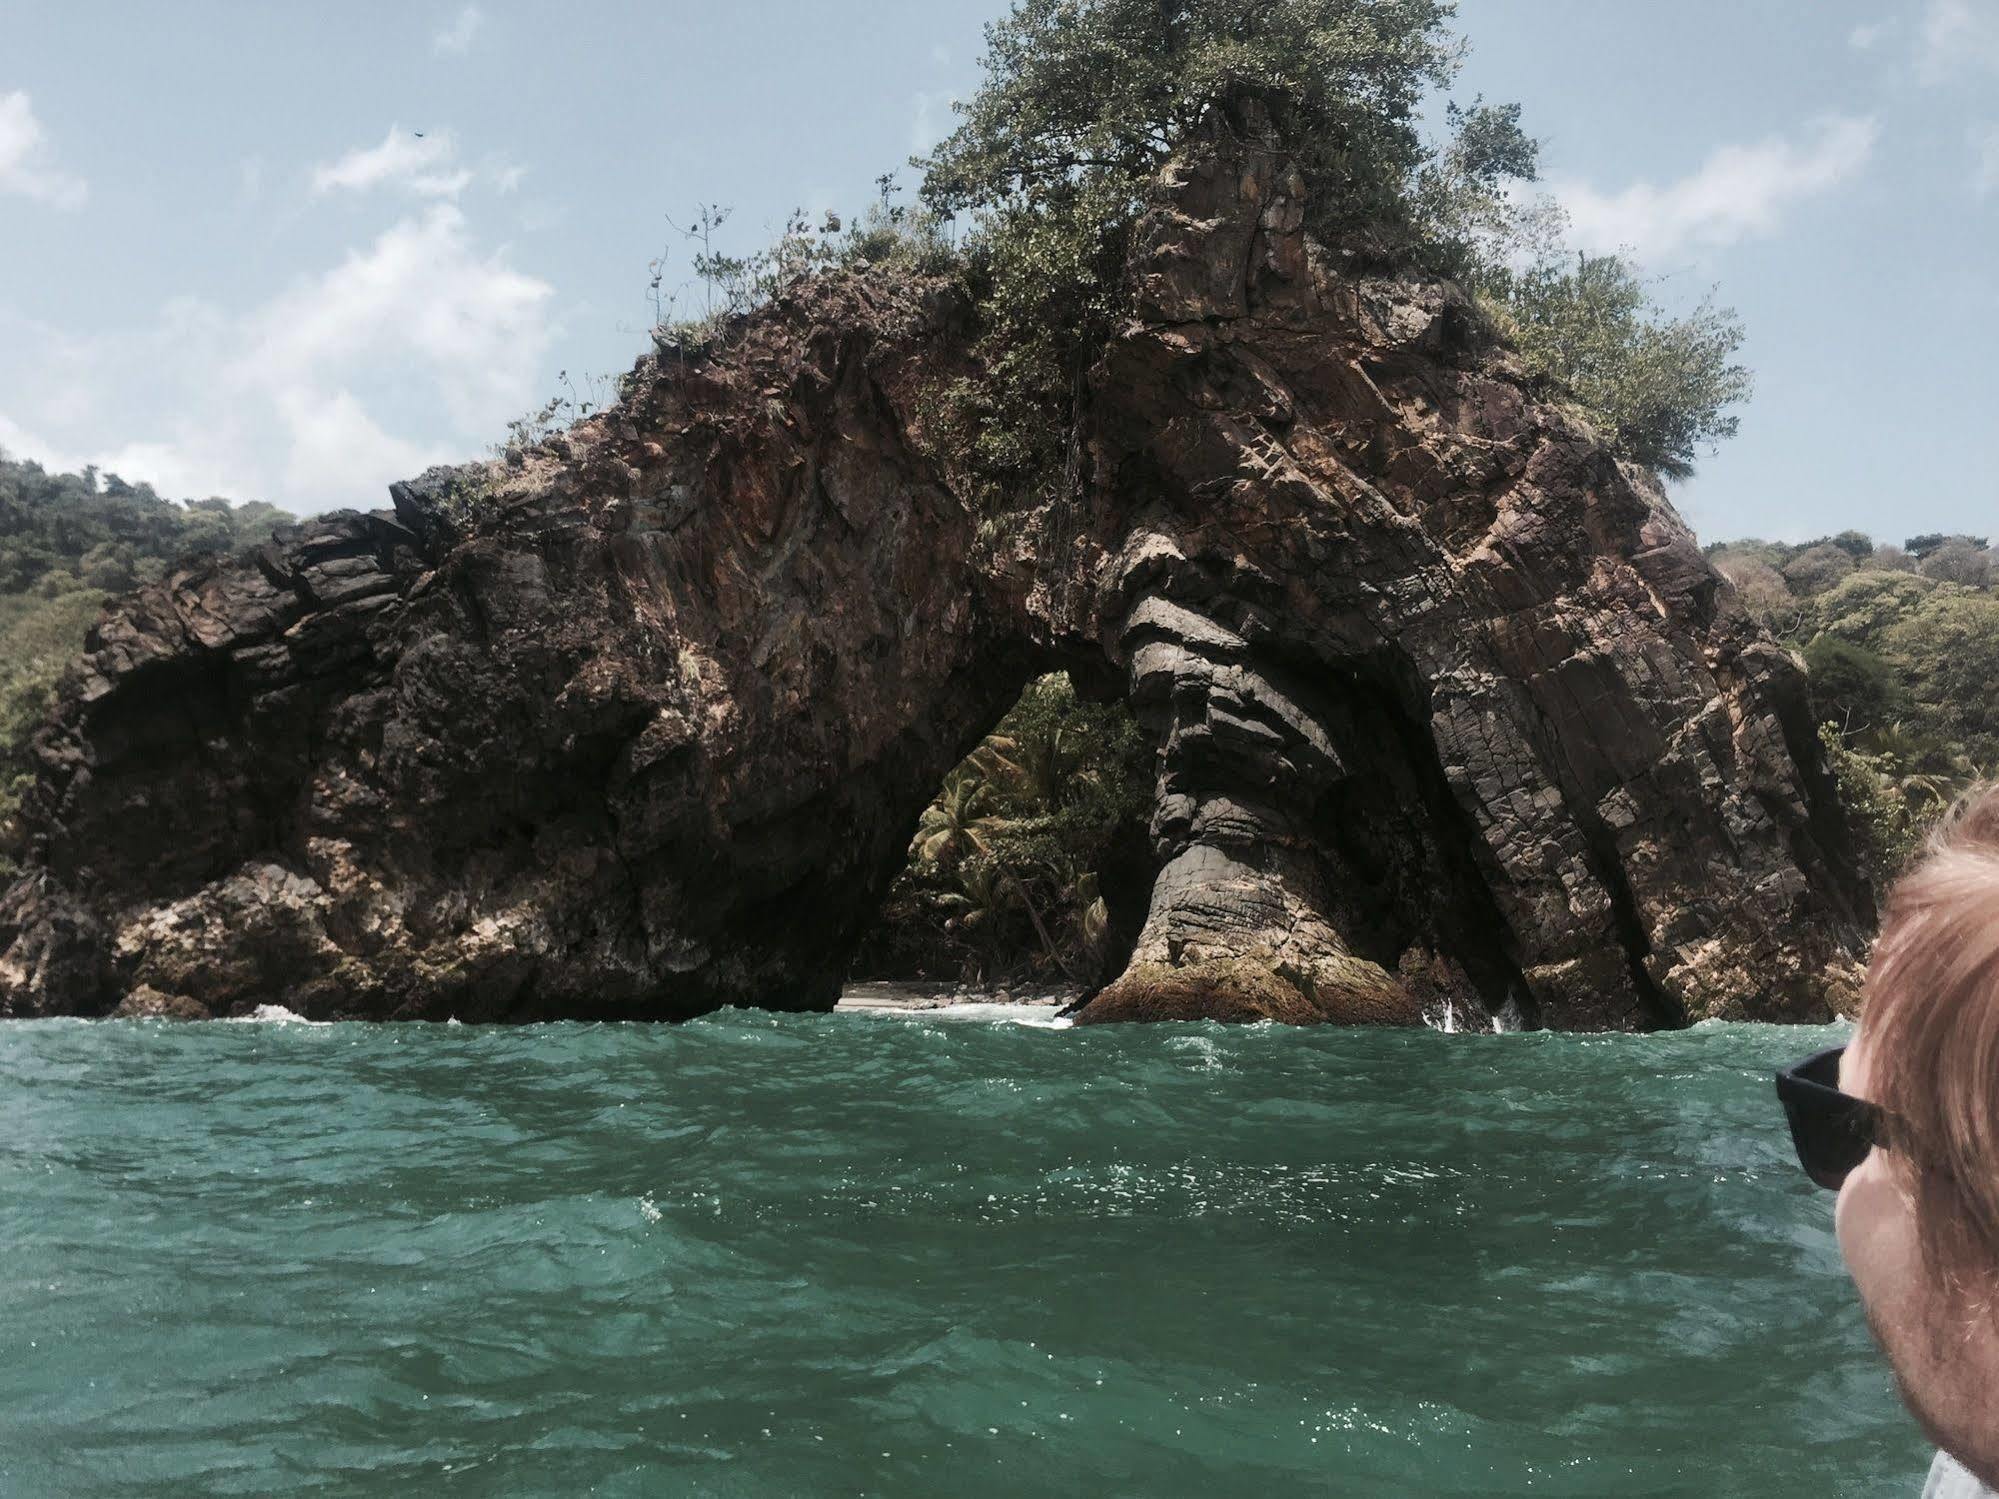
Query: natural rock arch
point(1448, 702)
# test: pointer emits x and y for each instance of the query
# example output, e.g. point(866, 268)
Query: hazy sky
point(229, 264)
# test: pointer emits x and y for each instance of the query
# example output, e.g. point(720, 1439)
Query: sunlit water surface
point(919, 1255)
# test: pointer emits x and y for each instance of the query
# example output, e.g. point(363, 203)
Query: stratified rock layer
point(1452, 715)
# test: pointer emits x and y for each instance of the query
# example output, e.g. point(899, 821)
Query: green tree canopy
point(1949, 648)
point(1084, 99)
point(1076, 93)
point(1961, 559)
point(1817, 568)
point(1851, 686)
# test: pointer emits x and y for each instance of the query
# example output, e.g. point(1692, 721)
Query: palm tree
point(1036, 766)
point(957, 823)
point(979, 905)
point(986, 889)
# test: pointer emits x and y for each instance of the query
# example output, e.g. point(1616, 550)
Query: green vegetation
point(1007, 868)
point(1053, 155)
point(1082, 103)
point(891, 235)
point(1903, 647)
point(1032, 199)
point(1659, 388)
point(67, 541)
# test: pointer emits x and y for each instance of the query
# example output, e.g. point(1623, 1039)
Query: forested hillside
point(67, 541)
point(1903, 646)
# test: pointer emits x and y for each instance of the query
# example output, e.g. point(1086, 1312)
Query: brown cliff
point(1449, 706)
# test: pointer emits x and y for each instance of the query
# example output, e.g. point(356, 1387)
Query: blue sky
point(229, 264)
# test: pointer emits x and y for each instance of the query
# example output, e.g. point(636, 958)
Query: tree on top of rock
point(1080, 95)
point(1082, 102)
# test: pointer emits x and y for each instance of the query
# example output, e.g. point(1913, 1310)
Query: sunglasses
point(1833, 1131)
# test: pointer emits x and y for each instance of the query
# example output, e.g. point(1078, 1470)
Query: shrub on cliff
point(1660, 388)
point(1889, 826)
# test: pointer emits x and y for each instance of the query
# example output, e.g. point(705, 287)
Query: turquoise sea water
point(887, 1255)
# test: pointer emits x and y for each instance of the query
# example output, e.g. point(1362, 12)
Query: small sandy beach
point(877, 996)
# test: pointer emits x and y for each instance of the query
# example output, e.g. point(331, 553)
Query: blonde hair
point(1932, 1024)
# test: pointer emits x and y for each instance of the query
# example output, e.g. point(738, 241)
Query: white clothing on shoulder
point(1949, 1480)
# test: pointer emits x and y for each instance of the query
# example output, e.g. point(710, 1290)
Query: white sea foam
point(1040, 1017)
point(274, 1015)
point(1443, 1018)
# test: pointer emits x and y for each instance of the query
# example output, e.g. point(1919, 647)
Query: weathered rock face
point(1451, 711)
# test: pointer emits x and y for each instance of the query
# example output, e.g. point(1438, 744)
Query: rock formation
point(1450, 709)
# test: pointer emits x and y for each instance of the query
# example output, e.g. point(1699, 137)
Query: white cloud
point(1868, 36)
point(1738, 193)
point(425, 165)
point(25, 165)
point(421, 291)
point(456, 39)
point(16, 441)
point(331, 433)
point(188, 468)
point(1956, 35)
point(1985, 150)
point(415, 348)
point(195, 463)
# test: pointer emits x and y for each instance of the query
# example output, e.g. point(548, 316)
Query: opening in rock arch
point(1031, 864)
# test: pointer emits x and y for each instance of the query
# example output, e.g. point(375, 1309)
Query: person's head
point(1919, 1218)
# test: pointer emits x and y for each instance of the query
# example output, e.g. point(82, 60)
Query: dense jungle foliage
point(67, 542)
point(1007, 870)
point(1903, 647)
